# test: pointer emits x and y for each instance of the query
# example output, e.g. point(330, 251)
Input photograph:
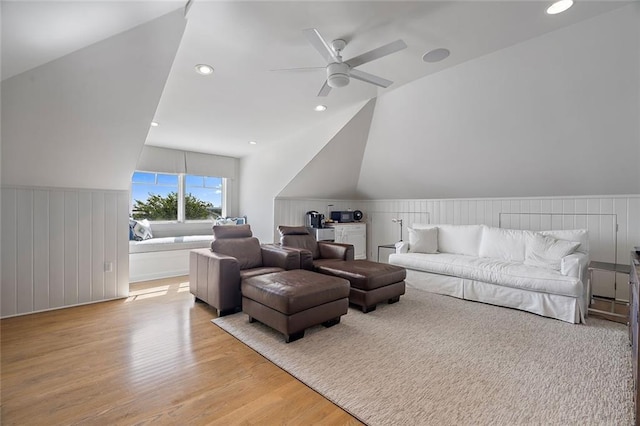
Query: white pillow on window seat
point(142, 230)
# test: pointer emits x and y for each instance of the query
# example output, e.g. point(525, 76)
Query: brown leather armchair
point(215, 274)
point(313, 253)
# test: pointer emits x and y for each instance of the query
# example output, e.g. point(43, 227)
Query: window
point(176, 197)
point(203, 197)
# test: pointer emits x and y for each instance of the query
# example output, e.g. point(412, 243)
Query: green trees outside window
point(157, 207)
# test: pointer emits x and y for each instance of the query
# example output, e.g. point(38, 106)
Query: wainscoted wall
point(598, 214)
point(62, 247)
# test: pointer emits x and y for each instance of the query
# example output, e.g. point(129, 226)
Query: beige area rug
point(437, 360)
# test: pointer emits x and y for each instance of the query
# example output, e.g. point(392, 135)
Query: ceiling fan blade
point(325, 89)
point(320, 44)
point(300, 69)
point(377, 53)
point(370, 78)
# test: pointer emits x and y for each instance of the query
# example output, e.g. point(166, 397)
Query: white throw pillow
point(504, 244)
point(423, 240)
point(578, 235)
point(142, 230)
point(547, 252)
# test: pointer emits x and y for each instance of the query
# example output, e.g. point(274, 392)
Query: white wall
point(81, 121)
point(263, 175)
point(555, 115)
point(344, 153)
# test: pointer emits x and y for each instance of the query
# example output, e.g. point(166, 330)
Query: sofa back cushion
point(457, 239)
point(504, 244)
point(299, 237)
point(423, 240)
point(246, 250)
point(231, 231)
point(576, 235)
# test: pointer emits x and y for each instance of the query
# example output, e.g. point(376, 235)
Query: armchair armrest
point(215, 279)
point(340, 251)
point(280, 257)
point(402, 247)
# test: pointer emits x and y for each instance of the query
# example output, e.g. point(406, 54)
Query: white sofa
point(540, 272)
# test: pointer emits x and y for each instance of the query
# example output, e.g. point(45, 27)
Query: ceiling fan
point(339, 72)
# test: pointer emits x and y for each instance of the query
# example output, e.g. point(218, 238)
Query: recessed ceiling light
point(320, 108)
point(204, 69)
point(436, 55)
point(559, 7)
point(253, 143)
point(154, 124)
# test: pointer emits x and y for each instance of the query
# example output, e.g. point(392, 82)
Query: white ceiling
point(244, 100)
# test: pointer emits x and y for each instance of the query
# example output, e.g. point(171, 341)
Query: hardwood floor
point(154, 358)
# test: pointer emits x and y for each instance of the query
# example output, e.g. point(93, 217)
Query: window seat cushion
point(170, 243)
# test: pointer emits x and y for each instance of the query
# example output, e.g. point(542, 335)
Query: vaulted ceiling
point(244, 99)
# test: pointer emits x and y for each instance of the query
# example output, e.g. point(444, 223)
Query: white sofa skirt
point(564, 308)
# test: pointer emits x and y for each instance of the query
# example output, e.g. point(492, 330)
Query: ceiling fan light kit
point(339, 72)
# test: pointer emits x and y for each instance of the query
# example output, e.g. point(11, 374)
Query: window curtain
point(165, 160)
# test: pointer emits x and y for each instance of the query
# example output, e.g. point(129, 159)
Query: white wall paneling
point(598, 214)
point(55, 244)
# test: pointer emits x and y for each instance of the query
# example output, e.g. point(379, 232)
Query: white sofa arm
point(402, 247)
point(575, 265)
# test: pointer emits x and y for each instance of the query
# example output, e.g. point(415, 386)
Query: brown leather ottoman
point(371, 282)
point(291, 301)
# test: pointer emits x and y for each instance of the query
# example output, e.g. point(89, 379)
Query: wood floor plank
point(154, 358)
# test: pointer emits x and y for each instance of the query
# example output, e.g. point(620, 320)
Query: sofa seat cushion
point(254, 272)
point(170, 243)
point(294, 291)
point(494, 271)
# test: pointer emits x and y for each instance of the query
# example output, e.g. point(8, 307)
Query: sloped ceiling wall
point(334, 171)
point(556, 115)
point(264, 174)
point(81, 121)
